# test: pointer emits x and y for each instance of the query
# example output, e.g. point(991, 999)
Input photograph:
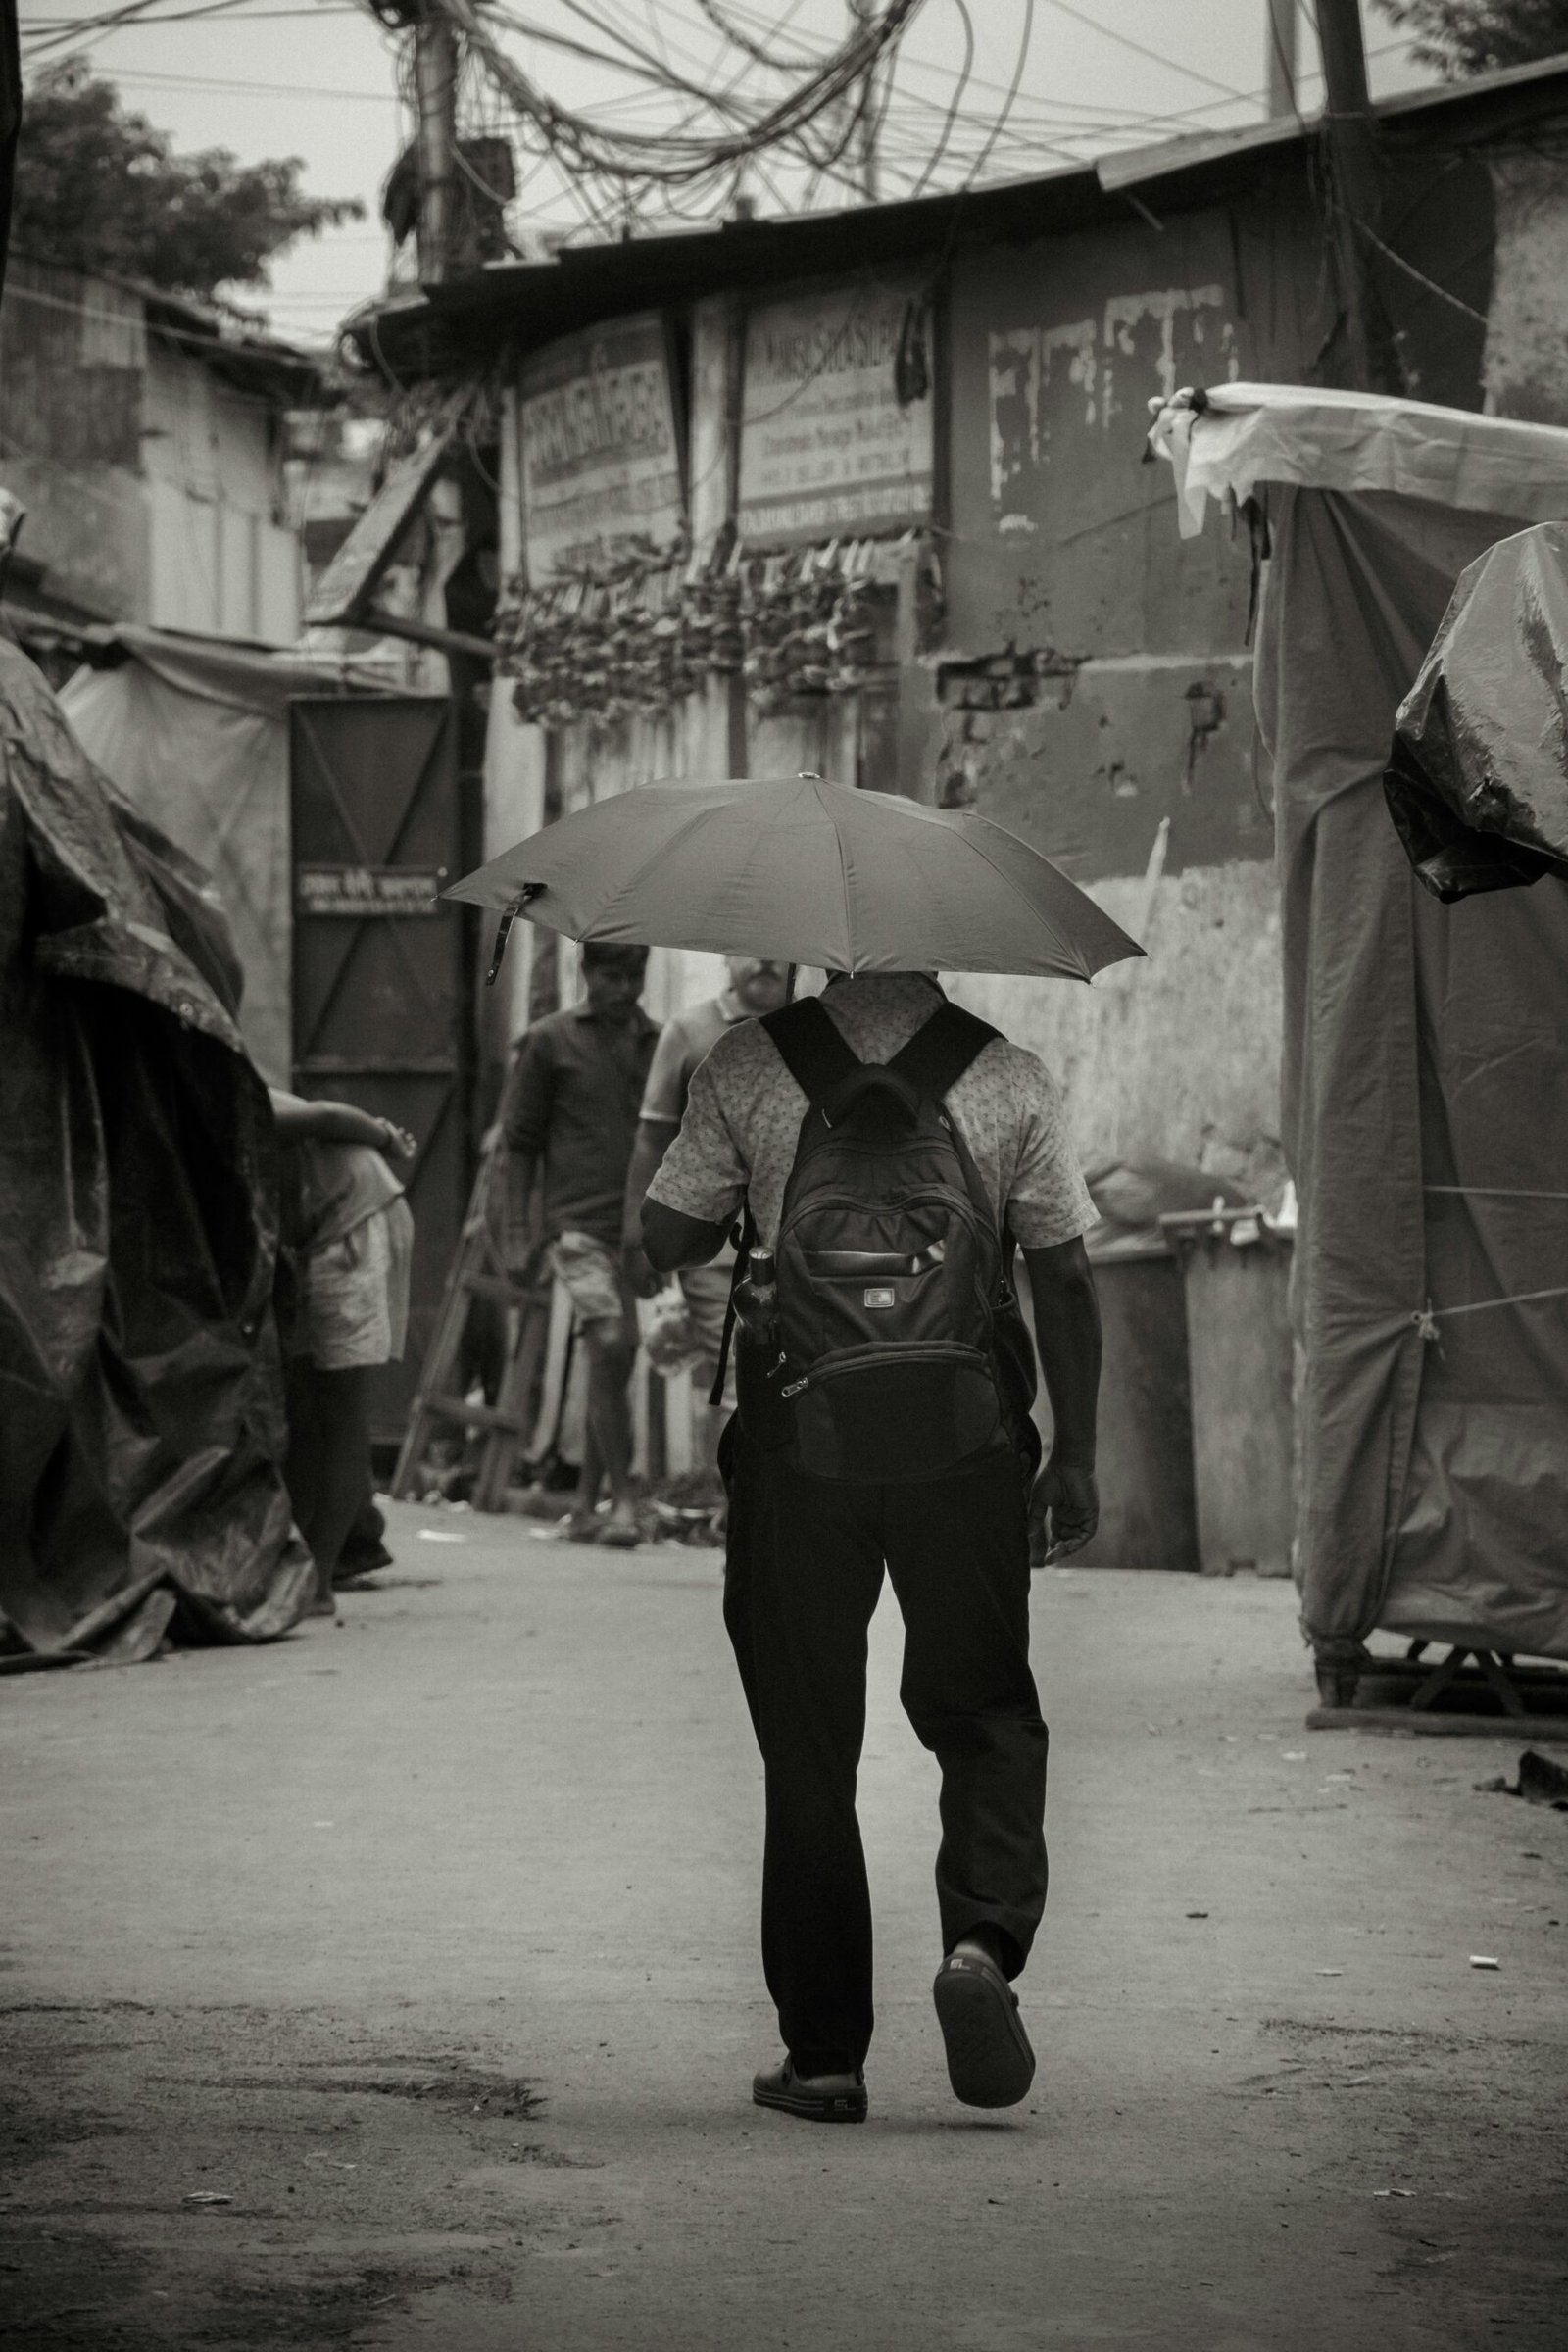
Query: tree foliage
point(1478, 36)
point(98, 189)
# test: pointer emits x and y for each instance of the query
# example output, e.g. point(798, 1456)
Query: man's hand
point(1064, 1514)
point(645, 1283)
point(397, 1140)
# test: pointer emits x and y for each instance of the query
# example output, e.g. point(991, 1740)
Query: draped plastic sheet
point(1362, 442)
point(195, 732)
point(1425, 1046)
point(139, 1428)
point(1477, 780)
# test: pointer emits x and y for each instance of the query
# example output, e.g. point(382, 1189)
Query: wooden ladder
point(478, 1271)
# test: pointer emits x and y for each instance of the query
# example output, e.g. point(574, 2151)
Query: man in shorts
point(757, 986)
point(571, 1122)
point(348, 1235)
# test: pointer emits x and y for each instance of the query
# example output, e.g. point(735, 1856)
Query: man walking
point(889, 1150)
point(757, 986)
point(572, 1120)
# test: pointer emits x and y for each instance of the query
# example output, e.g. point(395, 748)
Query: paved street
point(426, 1943)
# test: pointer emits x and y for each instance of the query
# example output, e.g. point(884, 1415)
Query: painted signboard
point(360, 890)
point(827, 447)
point(601, 460)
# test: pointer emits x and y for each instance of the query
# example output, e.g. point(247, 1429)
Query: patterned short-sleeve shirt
point(744, 1112)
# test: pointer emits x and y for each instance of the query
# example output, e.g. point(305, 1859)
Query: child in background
point(348, 1234)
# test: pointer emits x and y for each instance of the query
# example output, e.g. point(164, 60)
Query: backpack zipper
point(914, 1353)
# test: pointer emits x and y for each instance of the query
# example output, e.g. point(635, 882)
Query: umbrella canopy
point(807, 872)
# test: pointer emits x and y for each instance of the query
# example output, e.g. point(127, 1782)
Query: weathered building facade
point(148, 448)
point(866, 495)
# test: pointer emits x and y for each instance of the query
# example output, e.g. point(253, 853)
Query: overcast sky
point(317, 79)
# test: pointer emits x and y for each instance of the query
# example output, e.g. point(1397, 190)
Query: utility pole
point(1355, 196)
point(861, 15)
point(435, 84)
point(1280, 59)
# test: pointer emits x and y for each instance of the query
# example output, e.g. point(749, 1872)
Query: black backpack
point(902, 1354)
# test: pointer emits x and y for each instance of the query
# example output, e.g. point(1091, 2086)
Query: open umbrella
point(807, 872)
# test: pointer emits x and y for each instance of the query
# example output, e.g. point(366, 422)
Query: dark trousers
point(803, 1574)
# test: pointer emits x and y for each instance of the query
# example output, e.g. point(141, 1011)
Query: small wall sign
point(365, 890)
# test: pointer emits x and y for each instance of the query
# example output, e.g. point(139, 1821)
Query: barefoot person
point(884, 1424)
point(573, 1121)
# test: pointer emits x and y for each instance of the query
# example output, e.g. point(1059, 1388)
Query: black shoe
point(989, 2063)
point(816, 2098)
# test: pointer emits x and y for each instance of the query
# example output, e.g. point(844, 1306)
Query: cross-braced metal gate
point(380, 996)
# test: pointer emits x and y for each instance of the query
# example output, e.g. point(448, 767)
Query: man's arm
point(1065, 1508)
point(671, 1239)
point(654, 1138)
point(664, 1097)
point(527, 1105)
point(299, 1120)
point(703, 1167)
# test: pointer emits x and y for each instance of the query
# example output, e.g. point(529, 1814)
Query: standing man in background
point(757, 986)
point(572, 1123)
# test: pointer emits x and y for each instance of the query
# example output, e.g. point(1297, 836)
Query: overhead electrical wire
point(673, 157)
point(1063, 8)
point(724, 23)
point(691, 125)
point(119, 19)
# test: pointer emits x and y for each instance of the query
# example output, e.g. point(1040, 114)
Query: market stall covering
point(1426, 1052)
point(140, 1432)
point(195, 732)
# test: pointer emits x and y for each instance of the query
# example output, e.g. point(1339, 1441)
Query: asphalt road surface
point(396, 1987)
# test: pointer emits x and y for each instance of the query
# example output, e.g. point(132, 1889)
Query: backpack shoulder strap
point(938, 1055)
point(812, 1047)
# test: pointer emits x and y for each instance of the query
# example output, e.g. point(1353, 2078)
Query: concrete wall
point(1097, 698)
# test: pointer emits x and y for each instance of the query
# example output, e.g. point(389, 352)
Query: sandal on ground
point(618, 1535)
point(815, 2098)
point(989, 2063)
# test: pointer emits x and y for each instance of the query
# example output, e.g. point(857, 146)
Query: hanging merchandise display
point(636, 638)
point(602, 647)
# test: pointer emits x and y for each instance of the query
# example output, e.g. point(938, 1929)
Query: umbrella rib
point(1008, 883)
point(844, 876)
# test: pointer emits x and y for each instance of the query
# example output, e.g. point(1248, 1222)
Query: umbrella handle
point(503, 931)
point(530, 890)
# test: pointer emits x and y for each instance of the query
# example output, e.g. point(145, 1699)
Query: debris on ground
point(1542, 1781)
